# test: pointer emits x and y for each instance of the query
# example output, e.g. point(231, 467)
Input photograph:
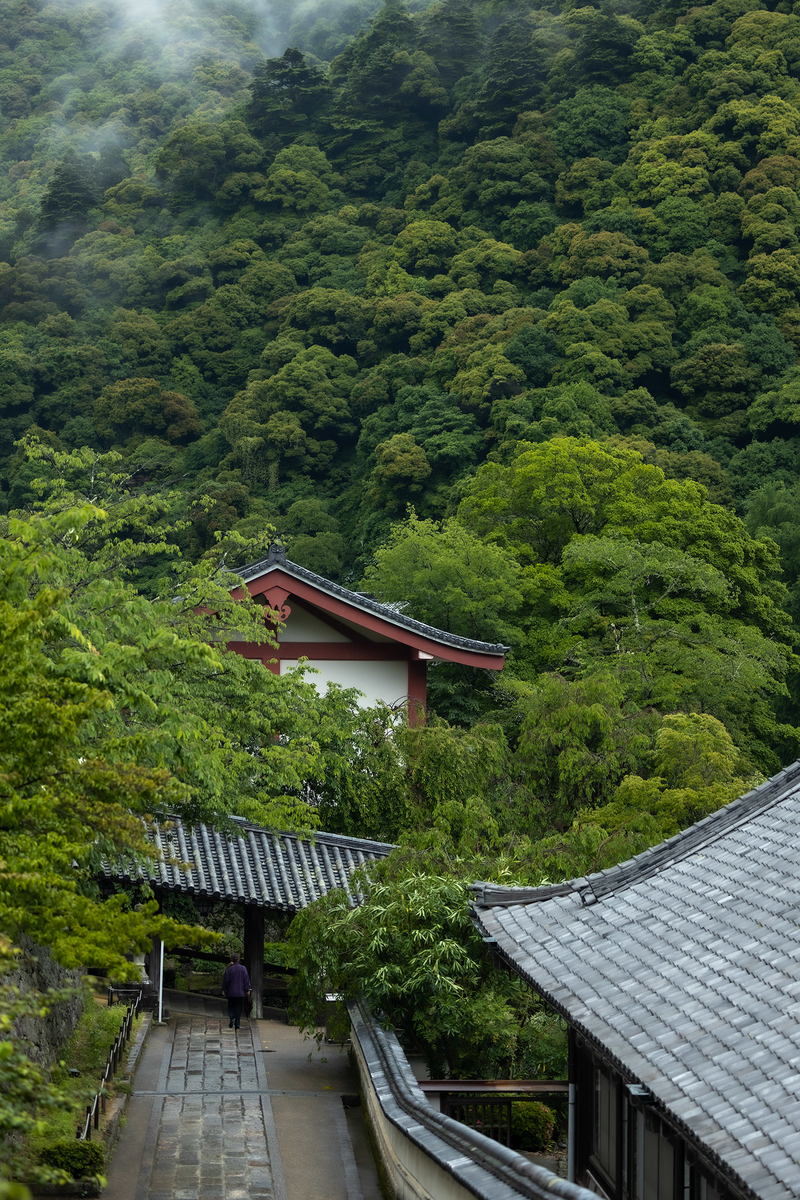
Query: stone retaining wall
point(37, 970)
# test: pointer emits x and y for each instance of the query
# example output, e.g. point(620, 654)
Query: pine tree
point(452, 37)
point(287, 96)
point(72, 192)
point(514, 78)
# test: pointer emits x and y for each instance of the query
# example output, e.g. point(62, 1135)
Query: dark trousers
point(235, 1009)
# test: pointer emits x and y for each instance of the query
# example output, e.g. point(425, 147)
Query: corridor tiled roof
point(257, 866)
point(683, 966)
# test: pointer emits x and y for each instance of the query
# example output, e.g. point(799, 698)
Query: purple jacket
point(235, 981)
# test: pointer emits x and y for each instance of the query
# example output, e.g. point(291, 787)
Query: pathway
point(218, 1114)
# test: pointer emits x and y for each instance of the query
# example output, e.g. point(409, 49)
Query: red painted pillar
point(417, 690)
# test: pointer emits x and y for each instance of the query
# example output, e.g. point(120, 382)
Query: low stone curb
point(120, 1102)
point(81, 1187)
point(136, 1049)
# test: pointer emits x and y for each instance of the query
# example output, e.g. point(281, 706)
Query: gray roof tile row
point(480, 1167)
point(683, 968)
point(256, 866)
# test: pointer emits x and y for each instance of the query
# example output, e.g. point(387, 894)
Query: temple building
point(351, 639)
point(677, 973)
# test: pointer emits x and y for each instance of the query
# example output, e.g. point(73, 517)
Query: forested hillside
point(533, 270)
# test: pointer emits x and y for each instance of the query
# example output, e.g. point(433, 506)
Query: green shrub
point(89, 1045)
point(532, 1125)
point(278, 953)
point(79, 1159)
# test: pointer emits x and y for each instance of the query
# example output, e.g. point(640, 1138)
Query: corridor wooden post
point(254, 954)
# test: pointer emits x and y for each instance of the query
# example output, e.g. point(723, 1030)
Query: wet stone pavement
point(210, 1129)
point(220, 1115)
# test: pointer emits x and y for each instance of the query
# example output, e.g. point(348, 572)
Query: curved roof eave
point(591, 888)
point(276, 561)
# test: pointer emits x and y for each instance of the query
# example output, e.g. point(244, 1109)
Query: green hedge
point(79, 1159)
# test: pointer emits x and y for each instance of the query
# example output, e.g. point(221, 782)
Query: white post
point(161, 982)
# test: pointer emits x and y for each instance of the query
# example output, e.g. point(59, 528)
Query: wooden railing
point(98, 1104)
point(215, 957)
point(492, 1118)
point(116, 995)
point(485, 1105)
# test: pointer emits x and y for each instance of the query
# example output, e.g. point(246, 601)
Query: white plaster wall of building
point(386, 681)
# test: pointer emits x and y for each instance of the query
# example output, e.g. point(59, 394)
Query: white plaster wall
point(387, 681)
point(303, 626)
point(408, 1171)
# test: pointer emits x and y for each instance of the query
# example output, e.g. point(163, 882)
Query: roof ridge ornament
point(276, 553)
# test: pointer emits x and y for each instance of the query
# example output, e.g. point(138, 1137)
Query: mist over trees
point(492, 309)
point(501, 293)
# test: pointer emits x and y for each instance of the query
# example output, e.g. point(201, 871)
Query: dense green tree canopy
point(71, 790)
point(460, 583)
point(534, 268)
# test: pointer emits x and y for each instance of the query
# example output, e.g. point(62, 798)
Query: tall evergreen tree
point(65, 206)
point(513, 80)
point(72, 192)
point(287, 96)
point(452, 37)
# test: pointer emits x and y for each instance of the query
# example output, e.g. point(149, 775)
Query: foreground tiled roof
point(259, 866)
point(683, 965)
point(387, 612)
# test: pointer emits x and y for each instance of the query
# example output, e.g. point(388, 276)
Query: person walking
point(235, 986)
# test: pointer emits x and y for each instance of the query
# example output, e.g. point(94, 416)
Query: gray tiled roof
point(277, 558)
point(684, 965)
point(259, 866)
